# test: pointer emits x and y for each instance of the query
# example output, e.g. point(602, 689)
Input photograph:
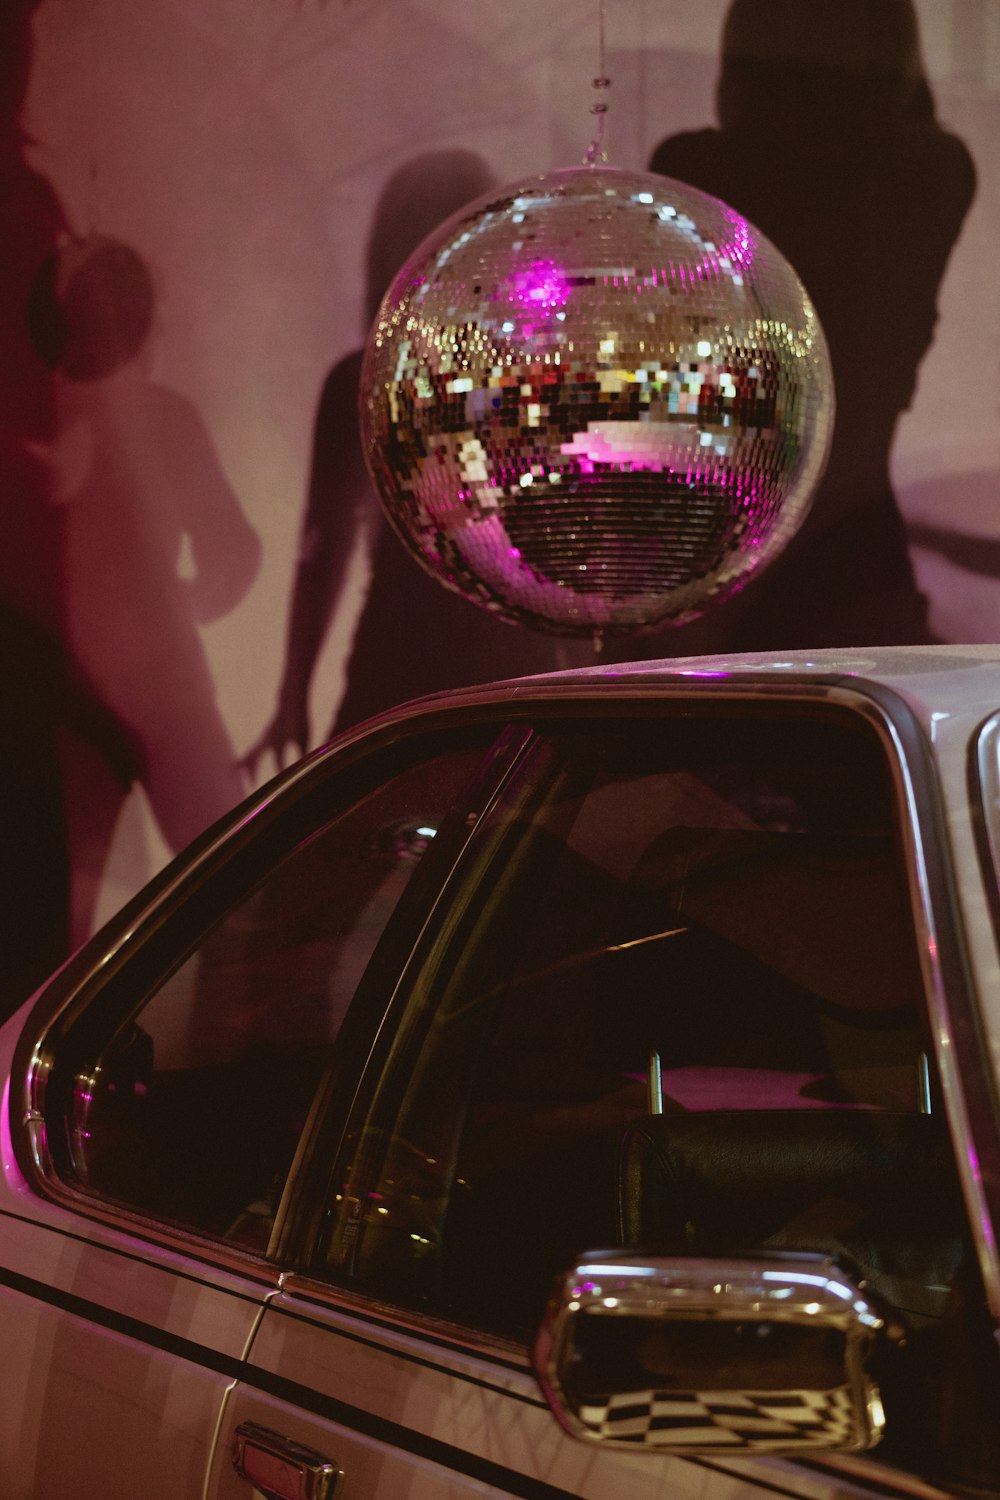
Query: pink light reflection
point(542, 284)
point(738, 249)
point(11, 1170)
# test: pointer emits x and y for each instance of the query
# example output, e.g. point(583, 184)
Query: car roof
point(886, 664)
point(938, 683)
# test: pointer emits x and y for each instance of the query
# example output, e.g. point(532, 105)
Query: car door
point(117, 1359)
point(673, 998)
point(171, 1079)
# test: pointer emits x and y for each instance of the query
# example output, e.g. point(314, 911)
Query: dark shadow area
point(977, 554)
point(34, 670)
point(413, 636)
point(828, 142)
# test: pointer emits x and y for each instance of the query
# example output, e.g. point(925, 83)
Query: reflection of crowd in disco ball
point(599, 399)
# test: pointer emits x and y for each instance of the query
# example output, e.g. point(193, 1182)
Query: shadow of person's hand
point(285, 737)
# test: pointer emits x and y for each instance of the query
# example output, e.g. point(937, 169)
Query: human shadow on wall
point(828, 143)
point(41, 692)
point(154, 543)
point(413, 636)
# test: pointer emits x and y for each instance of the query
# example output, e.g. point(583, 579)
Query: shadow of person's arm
point(225, 548)
point(976, 554)
point(340, 503)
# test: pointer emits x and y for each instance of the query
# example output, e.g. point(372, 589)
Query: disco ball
point(596, 400)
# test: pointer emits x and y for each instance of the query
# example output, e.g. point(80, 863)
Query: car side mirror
point(770, 1354)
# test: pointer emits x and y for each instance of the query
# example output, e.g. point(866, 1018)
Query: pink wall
point(240, 147)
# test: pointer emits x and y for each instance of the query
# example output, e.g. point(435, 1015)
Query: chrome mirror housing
point(770, 1354)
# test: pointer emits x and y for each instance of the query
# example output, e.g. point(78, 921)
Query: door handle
point(280, 1468)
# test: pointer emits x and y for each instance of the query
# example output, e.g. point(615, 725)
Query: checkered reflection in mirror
point(724, 1419)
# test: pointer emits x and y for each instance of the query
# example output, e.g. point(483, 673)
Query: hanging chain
point(596, 152)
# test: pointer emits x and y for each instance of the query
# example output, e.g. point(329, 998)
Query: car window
point(189, 1106)
point(680, 1009)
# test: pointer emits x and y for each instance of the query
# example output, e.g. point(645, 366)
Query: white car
point(585, 1086)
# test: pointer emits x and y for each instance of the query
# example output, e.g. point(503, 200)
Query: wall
point(240, 147)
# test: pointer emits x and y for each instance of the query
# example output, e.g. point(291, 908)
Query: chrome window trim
point(935, 912)
point(499, 760)
point(984, 804)
point(355, 1303)
point(153, 1234)
point(92, 965)
point(141, 919)
point(949, 986)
